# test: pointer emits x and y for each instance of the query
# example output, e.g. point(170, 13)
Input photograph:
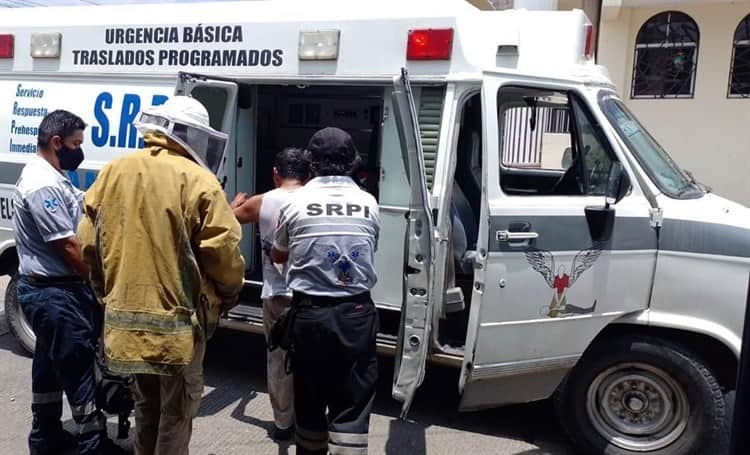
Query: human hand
point(239, 199)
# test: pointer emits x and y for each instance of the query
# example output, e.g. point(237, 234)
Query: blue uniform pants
point(66, 321)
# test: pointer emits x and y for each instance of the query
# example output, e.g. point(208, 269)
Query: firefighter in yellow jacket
point(163, 247)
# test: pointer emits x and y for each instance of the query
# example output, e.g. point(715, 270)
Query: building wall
point(710, 133)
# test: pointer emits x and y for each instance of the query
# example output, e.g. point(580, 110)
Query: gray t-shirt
point(274, 281)
point(48, 208)
point(330, 228)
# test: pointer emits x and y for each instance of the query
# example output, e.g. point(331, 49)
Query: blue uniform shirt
point(48, 208)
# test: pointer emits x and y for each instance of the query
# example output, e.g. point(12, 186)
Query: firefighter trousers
point(66, 320)
point(335, 369)
point(165, 407)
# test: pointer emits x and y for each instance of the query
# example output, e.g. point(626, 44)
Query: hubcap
point(637, 407)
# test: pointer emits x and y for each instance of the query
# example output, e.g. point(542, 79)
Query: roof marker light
point(430, 44)
point(45, 45)
point(6, 46)
point(319, 45)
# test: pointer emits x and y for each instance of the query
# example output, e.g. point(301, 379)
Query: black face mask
point(69, 158)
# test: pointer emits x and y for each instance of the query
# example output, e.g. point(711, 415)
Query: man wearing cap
point(53, 293)
point(163, 247)
point(328, 235)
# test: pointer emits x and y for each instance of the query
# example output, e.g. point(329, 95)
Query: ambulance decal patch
point(543, 261)
point(51, 205)
point(343, 265)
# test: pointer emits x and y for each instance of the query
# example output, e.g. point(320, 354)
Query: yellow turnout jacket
point(163, 247)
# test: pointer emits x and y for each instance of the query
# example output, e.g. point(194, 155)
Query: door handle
point(507, 236)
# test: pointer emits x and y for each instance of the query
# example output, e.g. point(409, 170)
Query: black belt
point(52, 280)
point(300, 298)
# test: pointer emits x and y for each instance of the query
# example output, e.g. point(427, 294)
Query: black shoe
point(65, 441)
point(61, 442)
point(282, 435)
point(108, 447)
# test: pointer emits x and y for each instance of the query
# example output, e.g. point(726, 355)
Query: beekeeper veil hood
point(185, 121)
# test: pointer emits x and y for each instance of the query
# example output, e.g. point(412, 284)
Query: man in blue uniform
point(328, 235)
point(53, 293)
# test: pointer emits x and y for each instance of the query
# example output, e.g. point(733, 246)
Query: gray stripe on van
point(9, 172)
point(571, 233)
point(704, 238)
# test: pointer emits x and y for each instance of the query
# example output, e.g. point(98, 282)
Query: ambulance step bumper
point(249, 318)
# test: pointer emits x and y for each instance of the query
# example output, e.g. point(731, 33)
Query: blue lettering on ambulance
point(73, 177)
point(131, 105)
point(125, 136)
point(88, 179)
point(89, 176)
point(100, 134)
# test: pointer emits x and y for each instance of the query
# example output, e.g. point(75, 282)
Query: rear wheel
point(642, 395)
point(17, 323)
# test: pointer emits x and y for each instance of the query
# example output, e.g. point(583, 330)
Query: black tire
point(646, 381)
point(17, 323)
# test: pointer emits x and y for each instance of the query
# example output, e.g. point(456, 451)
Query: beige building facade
point(673, 62)
point(708, 131)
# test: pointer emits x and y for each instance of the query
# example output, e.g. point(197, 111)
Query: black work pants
point(335, 369)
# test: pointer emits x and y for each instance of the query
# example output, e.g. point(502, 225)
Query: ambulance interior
point(287, 116)
point(273, 117)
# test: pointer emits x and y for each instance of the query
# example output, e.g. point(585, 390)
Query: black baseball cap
point(332, 149)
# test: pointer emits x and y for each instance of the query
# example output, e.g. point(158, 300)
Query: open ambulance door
point(489, 114)
point(416, 314)
point(219, 96)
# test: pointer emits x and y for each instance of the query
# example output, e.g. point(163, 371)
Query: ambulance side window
point(550, 144)
point(536, 132)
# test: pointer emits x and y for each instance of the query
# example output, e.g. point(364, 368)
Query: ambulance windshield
point(660, 167)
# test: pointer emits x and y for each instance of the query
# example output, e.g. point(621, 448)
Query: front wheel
point(17, 323)
point(642, 395)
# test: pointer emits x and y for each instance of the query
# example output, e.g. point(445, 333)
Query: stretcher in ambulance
point(534, 234)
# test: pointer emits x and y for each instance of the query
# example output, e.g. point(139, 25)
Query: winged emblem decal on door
point(560, 279)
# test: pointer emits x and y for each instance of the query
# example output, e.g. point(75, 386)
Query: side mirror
point(618, 184)
point(601, 220)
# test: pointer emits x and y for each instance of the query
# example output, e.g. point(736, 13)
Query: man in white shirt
point(291, 171)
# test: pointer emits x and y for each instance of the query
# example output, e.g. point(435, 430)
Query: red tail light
point(430, 44)
point(6, 46)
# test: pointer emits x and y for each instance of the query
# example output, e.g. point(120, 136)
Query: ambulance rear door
point(219, 96)
point(418, 302)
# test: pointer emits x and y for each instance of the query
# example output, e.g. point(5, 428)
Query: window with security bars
point(666, 56)
point(739, 74)
point(529, 131)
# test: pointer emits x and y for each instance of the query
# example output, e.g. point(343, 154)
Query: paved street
point(235, 414)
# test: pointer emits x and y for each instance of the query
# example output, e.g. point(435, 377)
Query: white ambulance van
point(534, 234)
